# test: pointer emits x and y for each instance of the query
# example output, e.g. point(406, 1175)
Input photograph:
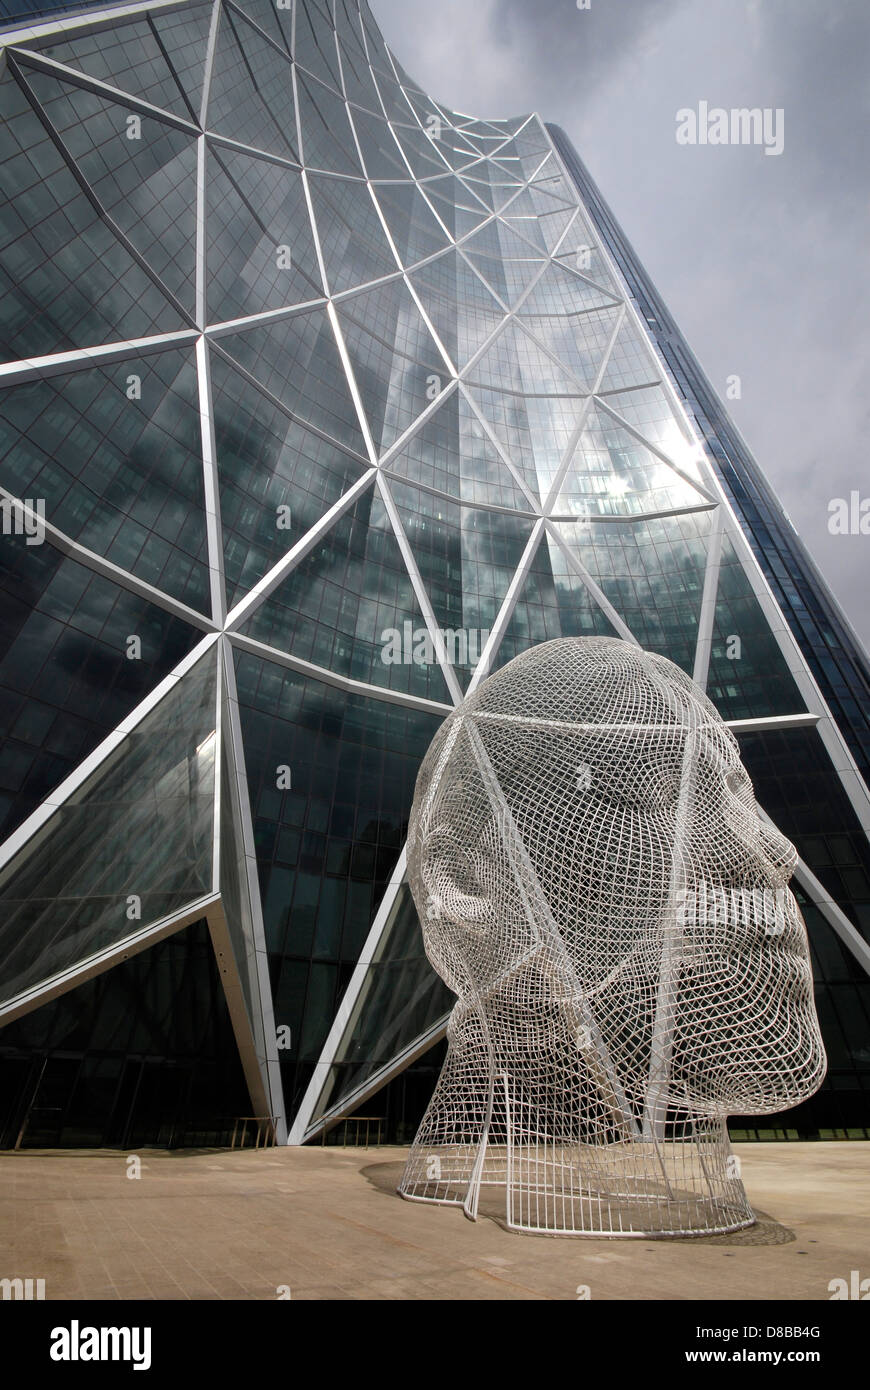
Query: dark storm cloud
point(565, 47)
point(531, 49)
point(761, 259)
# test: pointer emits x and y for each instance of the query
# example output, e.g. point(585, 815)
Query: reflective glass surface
point(454, 452)
point(331, 777)
point(66, 679)
point(396, 365)
point(401, 999)
point(749, 677)
point(276, 477)
point(251, 94)
point(159, 57)
point(314, 44)
point(297, 361)
point(65, 278)
point(143, 1055)
point(115, 455)
point(146, 184)
point(611, 473)
point(327, 140)
point(260, 252)
point(414, 226)
point(274, 23)
point(467, 558)
point(350, 606)
point(127, 848)
point(653, 574)
point(553, 602)
point(352, 239)
point(789, 772)
point(462, 310)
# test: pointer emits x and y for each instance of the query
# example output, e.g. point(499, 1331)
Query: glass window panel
point(63, 643)
point(350, 606)
point(260, 251)
point(296, 359)
point(413, 225)
point(352, 239)
point(653, 573)
point(381, 155)
point(611, 474)
point(462, 309)
point(65, 279)
point(748, 675)
point(273, 21)
point(276, 478)
point(401, 999)
point(327, 141)
point(553, 602)
point(355, 756)
point(453, 454)
point(314, 44)
point(467, 558)
point(130, 846)
point(251, 92)
point(146, 184)
point(394, 359)
point(166, 1004)
point(132, 56)
point(115, 455)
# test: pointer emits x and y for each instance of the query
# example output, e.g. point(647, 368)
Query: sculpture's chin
point(747, 1080)
point(746, 1039)
point(758, 1094)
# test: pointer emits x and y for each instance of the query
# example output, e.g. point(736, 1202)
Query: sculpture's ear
point(450, 872)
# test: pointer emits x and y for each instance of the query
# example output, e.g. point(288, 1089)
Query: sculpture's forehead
point(483, 745)
point(708, 738)
point(593, 685)
point(626, 728)
point(625, 708)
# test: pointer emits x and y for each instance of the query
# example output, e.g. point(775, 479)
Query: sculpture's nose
point(777, 849)
point(765, 845)
point(767, 849)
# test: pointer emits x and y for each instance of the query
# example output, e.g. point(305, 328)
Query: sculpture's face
point(592, 838)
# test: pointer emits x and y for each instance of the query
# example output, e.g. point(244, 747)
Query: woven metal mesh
point(597, 886)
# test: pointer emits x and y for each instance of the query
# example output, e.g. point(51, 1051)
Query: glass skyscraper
point(319, 402)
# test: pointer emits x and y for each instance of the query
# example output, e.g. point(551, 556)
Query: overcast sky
point(762, 259)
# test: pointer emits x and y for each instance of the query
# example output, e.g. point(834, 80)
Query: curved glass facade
point(318, 402)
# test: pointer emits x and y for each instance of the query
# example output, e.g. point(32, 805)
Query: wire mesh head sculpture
point(596, 884)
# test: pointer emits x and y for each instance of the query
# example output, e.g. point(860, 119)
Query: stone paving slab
point(326, 1223)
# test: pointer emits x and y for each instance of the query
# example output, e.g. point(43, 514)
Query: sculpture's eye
point(651, 780)
point(736, 781)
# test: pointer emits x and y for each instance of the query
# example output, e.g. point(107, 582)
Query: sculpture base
point(635, 1189)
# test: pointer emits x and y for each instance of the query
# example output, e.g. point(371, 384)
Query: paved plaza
point(326, 1223)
